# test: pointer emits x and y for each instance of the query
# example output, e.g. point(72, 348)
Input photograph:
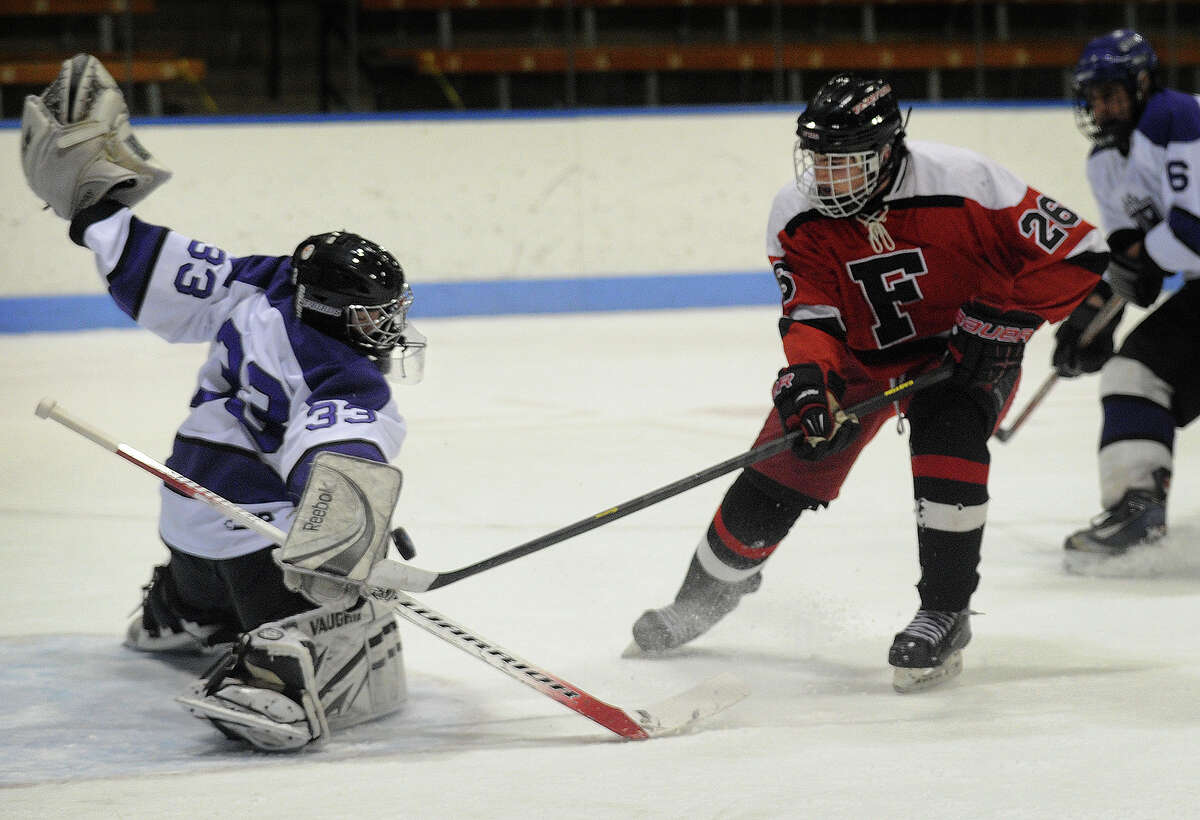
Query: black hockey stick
point(397, 575)
point(1111, 308)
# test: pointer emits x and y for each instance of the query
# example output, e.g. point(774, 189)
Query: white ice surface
point(1079, 697)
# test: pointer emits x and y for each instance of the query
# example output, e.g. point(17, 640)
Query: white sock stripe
point(1130, 464)
point(1126, 377)
point(719, 570)
point(950, 517)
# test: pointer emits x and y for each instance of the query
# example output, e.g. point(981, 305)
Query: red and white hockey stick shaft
point(1111, 308)
point(709, 698)
point(49, 409)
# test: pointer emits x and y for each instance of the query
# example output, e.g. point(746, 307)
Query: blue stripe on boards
point(25, 314)
point(28, 314)
point(445, 299)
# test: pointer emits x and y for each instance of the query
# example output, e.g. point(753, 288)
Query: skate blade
point(1148, 560)
point(905, 681)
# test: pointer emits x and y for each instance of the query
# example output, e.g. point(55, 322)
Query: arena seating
point(979, 48)
point(30, 64)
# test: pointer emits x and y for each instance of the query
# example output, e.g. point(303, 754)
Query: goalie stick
point(397, 575)
point(1111, 308)
point(670, 716)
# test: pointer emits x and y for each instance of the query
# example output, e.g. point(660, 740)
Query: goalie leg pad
point(290, 681)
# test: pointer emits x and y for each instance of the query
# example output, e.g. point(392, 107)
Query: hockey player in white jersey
point(299, 346)
point(1144, 171)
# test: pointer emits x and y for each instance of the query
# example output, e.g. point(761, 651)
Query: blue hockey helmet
point(1123, 57)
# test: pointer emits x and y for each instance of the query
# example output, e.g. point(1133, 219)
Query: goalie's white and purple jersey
point(1156, 188)
point(272, 393)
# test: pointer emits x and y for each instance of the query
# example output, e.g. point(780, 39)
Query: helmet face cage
point(379, 328)
point(1120, 57)
point(850, 142)
point(839, 184)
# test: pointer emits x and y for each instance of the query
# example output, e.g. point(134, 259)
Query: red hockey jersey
point(957, 228)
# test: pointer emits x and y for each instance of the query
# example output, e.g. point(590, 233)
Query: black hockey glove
point(1071, 356)
point(987, 344)
point(1137, 278)
point(805, 403)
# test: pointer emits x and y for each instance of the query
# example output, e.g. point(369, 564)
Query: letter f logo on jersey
point(888, 281)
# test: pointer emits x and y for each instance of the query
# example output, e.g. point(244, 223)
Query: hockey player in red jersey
point(893, 257)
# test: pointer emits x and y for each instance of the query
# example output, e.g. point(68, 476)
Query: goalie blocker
point(287, 684)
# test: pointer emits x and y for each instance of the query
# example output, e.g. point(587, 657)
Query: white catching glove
point(77, 145)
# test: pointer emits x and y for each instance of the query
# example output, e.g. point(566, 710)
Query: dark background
point(302, 56)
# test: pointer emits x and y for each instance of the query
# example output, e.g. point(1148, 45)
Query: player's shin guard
point(950, 463)
point(289, 682)
point(746, 529)
point(1137, 439)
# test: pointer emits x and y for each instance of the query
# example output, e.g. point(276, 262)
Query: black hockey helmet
point(1122, 57)
point(850, 142)
point(352, 289)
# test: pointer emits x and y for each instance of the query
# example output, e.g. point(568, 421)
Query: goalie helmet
point(352, 289)
point(1120, 57)
point(851, 141)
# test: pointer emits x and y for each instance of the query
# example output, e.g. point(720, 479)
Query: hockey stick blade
point(397, 575)
point(670, 716)
point(680, 713)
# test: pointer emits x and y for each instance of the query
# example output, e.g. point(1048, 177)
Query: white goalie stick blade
point(667, 717)
point(681, 712)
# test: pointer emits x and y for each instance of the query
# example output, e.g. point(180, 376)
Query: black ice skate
point(701, 602)
point(1140, 517)
point(163, 626)
point(929, 650)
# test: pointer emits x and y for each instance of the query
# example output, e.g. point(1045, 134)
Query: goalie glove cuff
point(90, 216)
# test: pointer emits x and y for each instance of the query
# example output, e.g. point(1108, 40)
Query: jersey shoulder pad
point(789, 207)
point(936, 169)
point(1170, 116)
